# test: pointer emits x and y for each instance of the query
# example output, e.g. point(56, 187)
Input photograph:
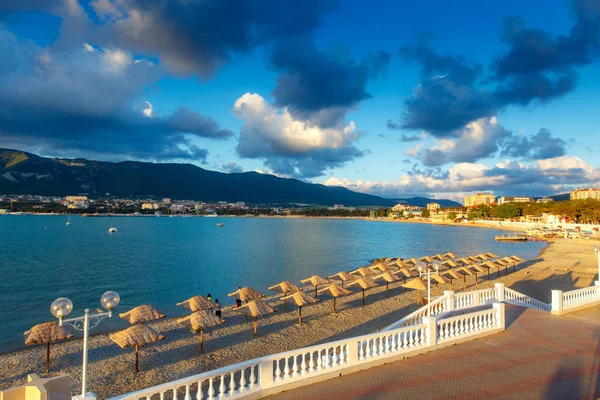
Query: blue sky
point(395, 98)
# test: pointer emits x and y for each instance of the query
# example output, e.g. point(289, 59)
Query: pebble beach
point(565, 264)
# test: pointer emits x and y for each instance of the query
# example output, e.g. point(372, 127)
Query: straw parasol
point(491, 255)
point(363, 272)
point(316, 281)
point(450, 275)
point(47, 332)
point(412, 261)
point(141, 314)
point(257, 308)
point(366, 282)
point(403, 271)
point(489, 265)
point(137, 335)
point(511, 262)
point(416, 284)
point(517, 259)
point(336, 291)
point(438, 280)
point(450, 263)
point(197, 303)
point(473, 259)
point(451, 255)
point(199, 321)
point(439, 257)
point(426, 259)
point(465, 261)
point(381, 267)
point(464, 271)
point(301, 299)
point(388, 277)
point(246, 294)
point(401, 264)
point(342, 276)
point(284, 287)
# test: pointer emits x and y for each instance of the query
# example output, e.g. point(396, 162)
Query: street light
point(421, 267)
point(62, 307)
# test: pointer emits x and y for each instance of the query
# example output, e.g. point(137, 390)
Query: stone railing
point(475, 298)
point(275, 373)
point(520, 299)
point(565, 302)
point(437, 306)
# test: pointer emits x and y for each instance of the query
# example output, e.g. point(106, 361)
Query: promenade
point(539, 356)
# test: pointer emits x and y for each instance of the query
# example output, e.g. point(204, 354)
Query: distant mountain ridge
point(423, 201)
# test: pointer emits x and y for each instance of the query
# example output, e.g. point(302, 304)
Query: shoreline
point(563, 264)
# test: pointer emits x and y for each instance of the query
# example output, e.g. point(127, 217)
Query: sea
point(163, 261)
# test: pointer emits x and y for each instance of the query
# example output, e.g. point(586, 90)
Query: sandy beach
point(565, 264)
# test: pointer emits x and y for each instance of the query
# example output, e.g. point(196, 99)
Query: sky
point(393, 98)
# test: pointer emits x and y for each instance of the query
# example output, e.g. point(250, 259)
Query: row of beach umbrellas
point(449, 267)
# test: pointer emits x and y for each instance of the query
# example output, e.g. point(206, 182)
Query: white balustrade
point(579, 297)
point(437, 306)
point(520, 299)
point(474, 298)
point(462, 326)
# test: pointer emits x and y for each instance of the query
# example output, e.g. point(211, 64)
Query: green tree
point(507, 210)
point(425, 214)
point(410, 215)
point(451, 216)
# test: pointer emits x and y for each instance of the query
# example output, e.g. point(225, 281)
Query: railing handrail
point(465, 316)
point(473, 292)
point(582, 290)
point(417, 312)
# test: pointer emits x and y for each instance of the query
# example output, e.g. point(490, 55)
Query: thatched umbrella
point(137, 335)
point(199, 321)
point(197, 303)
point(517, 259)
point(258, 308)
point(381, 267)
point(366, 282)
point(511, 262)
point(488, 265)
point(342, 276)
point(416, 284)
point(402, 264)
point(439, 257)
point(483, 257)
point(438, 280)
point(362, 271)
point(426, 259)
point(502, 263)
point(491, 255)
point(336, 291)
point(464, 271)
point(301, 299)
point(405, 272)
point(474, 259)
point(284, 287)
point(466, 261)
point(451, 275)
point(246, 294)
point(316, 281)
point(141, 314)
point(47, 332)
point(450, 263)
point(451, 255)
point(412, 261)
point(388, 277)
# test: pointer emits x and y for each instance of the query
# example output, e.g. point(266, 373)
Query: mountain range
point(27, 173)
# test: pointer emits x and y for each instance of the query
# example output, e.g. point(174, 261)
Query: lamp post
point(597, 253)
point(436, 265)
point(62, 307)
point(420, 267)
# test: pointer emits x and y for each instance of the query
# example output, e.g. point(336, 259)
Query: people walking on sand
point(238, 301)
point(217, 308)
point(209, 297)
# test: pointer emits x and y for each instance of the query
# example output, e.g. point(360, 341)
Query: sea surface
point(163, 261)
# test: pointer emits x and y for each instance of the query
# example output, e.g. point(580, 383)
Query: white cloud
point(88, 47)
point(148, 110)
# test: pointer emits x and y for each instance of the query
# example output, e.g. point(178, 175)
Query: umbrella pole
point(201, 340)
point(436, 289)
point(246, 315)
point(47, 357)
point(386, 288)
point(363, 300)
point(255, 326)
point(334, 310)
point(465, 282)
point(418, 298)
point(137, 358)
point(300, 315)
point(488, 273)
point(284, 302)
point(498, 273)
point(476, 280)
point(316, 294)
point(404, 279)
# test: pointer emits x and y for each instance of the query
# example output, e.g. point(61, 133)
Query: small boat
point(112, 229)
point(69, 220)
point(220, 224)
point(513, 238)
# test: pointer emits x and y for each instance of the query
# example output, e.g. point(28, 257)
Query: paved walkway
point(539, 356)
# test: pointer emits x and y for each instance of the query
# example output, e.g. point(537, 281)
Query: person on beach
point(217, 308)
point(209, 297)
point(238, 301)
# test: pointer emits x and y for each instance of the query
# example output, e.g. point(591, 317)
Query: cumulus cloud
point(539, 146)
point(232, 168)
point(88, 101)
point(321, 86)
point(557, 175)
point(198, 37)
point(288, 145)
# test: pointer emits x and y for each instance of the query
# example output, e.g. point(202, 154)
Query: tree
point(507, 211)
point(425, 214)
point(451, 215)
point(410, 215)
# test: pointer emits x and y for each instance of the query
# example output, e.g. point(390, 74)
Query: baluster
point(162, 396)
point(322, 359)
point(232, 383)
point(211, 390)
point(311, 362)
point(338, 356)
point(389, 342)
point(296, 366)
point(277, 371)
point(363, 349)
point(347, 354)
point(187, 393)
point(252, 377)
point(243, 380)
point(379, 346)
point(222, 387)
point(394, 342)
point(303, 364)
point(175, 396)
point(404, 340)
point(286, 369)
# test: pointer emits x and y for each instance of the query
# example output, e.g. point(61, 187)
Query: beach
point(565, 264)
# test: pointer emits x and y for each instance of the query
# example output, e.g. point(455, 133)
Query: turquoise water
point(163, 261)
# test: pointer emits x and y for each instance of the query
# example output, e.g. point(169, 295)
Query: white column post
point(265, 374)
point(557, 302)
point(428, 291)
point(431, 330)
point(500, 310)
point(86, 327)
point(598, 254)
point(449, 300)
point(499, 291)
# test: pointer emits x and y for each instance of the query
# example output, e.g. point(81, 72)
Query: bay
point(163, 261)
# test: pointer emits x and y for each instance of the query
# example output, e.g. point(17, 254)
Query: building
point(479, 198)
point(513, 199)
point(338, 206)
point(442, 215)
point(399, 207)
point(544, 199)
point(587, 193)
point(166, 200)
point(150, 206)
point(77, 202)
point(433, 206)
